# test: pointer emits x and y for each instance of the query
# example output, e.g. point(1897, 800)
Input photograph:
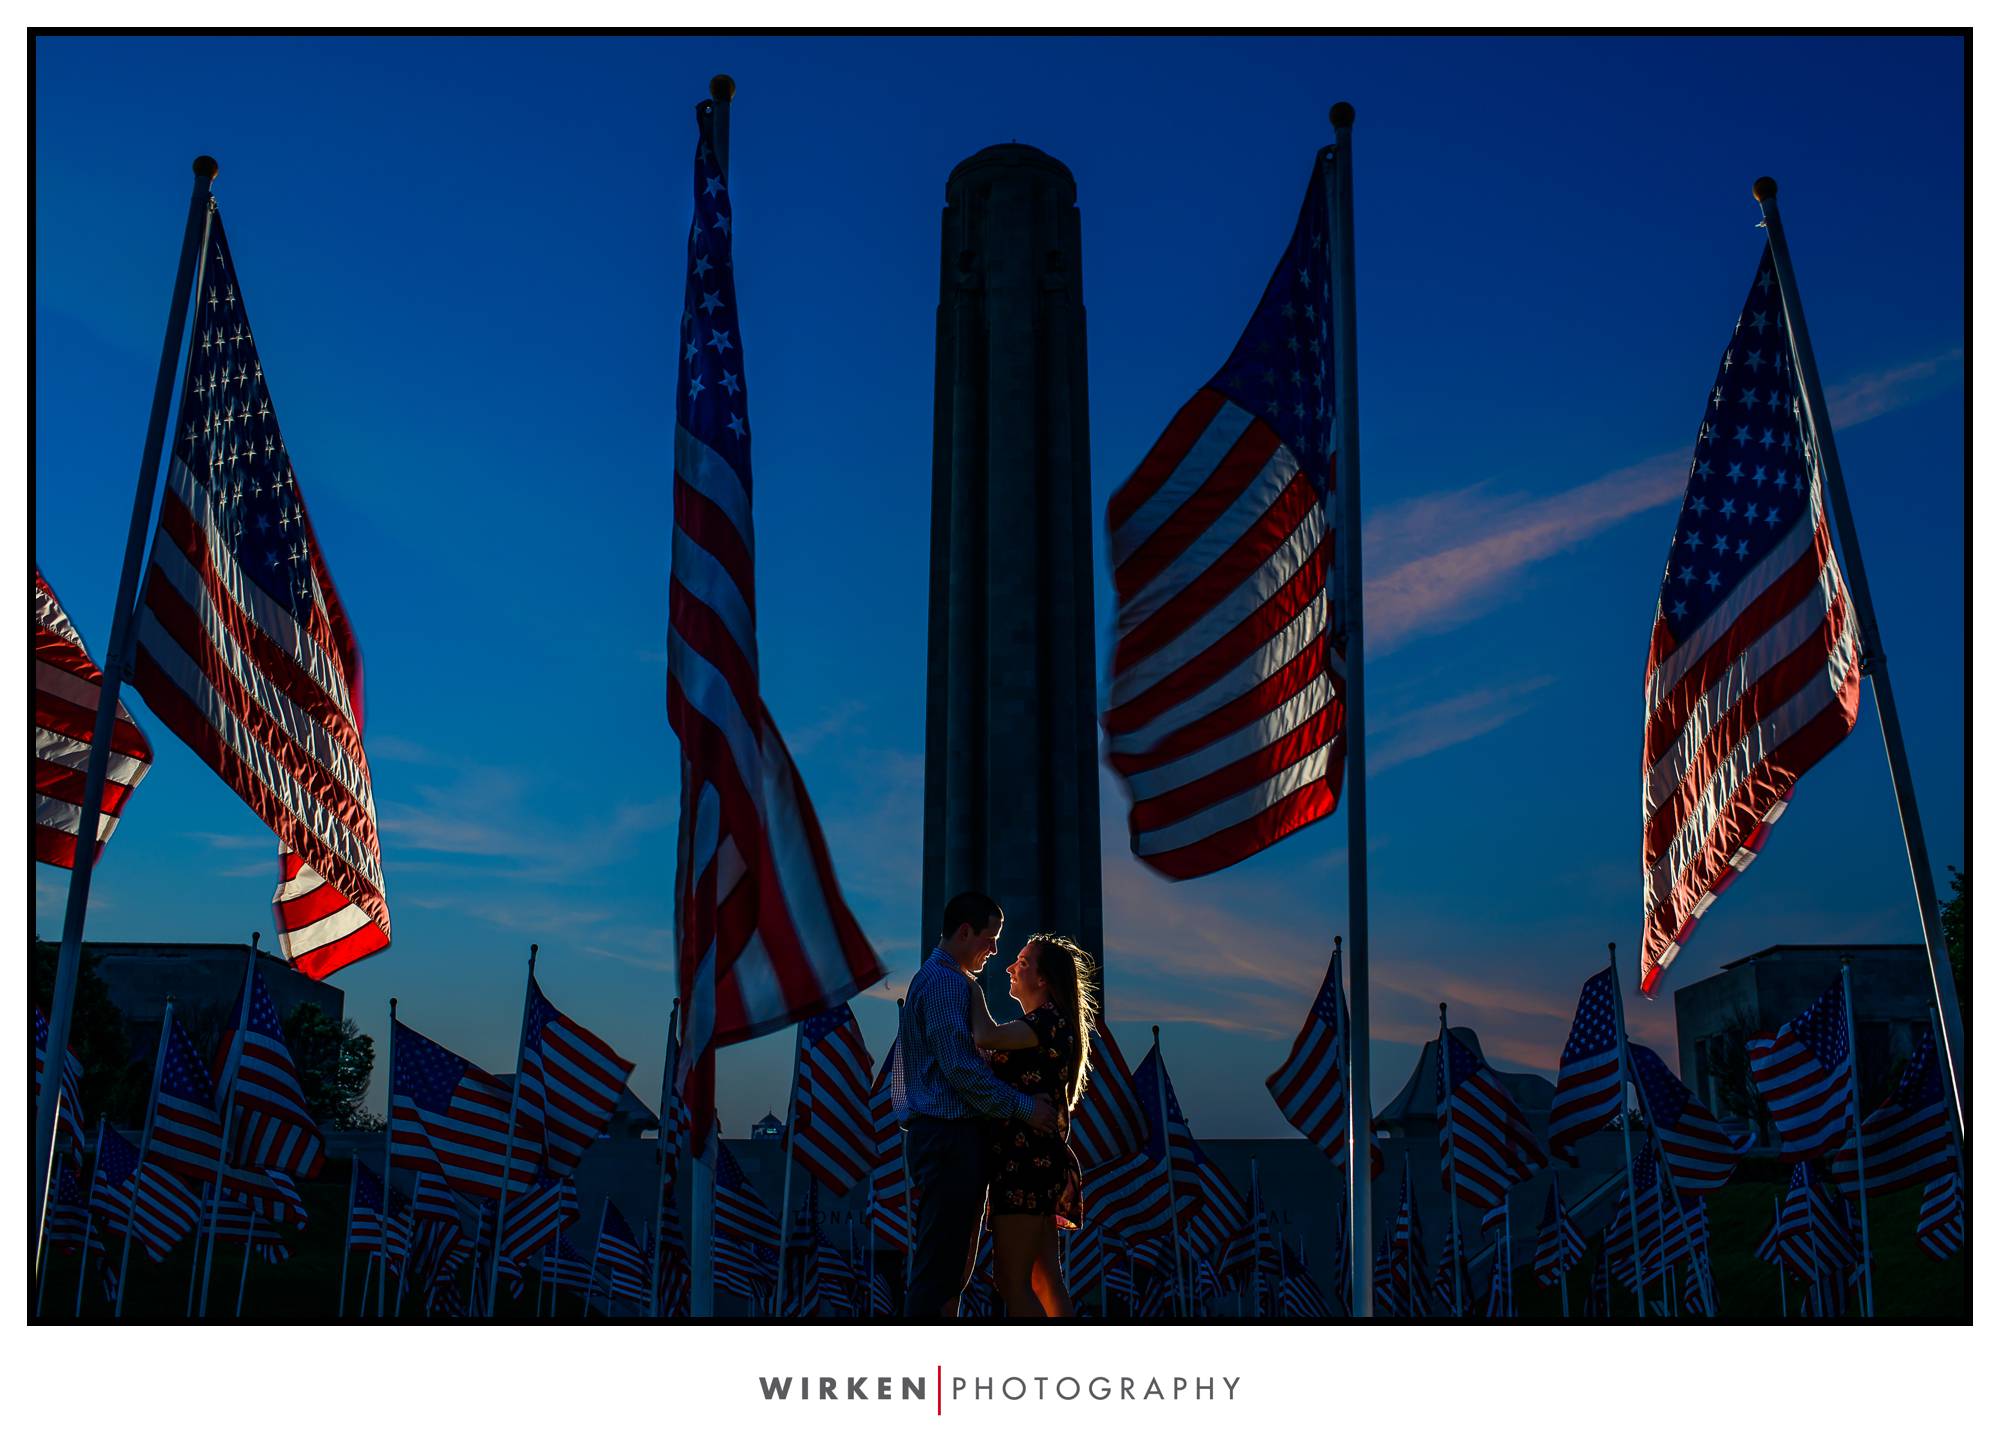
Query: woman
point(1035, 1186)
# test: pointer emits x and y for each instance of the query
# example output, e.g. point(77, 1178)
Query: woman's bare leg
point(1047, 1276)
point(1015, 1240)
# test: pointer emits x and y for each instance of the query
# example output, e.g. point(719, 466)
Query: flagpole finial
point(1764, 189)
point(1342, 115)
point(207, 167)
point(255, 936)
point(722, 88)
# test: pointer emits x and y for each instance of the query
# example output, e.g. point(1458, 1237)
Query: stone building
point(202, 980)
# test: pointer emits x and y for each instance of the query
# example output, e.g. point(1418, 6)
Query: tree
point(1728, 1056)
point(334, 1060)
point(1958, 938)
point(113, 1082)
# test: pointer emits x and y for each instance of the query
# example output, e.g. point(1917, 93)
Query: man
point(942, 1088)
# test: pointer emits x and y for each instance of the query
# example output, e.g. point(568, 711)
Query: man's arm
point(949, 1036)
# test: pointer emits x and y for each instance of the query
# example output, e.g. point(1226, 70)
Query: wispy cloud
point(1441, 560)
point(1450, 721)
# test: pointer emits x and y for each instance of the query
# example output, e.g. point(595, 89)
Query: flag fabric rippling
point(1801, 1073)
point(449, 1117)
point(1558, 1245)
point(1588, 1090)
point(67, 681)
point(1311, 1087)
point(569, 1085)
point(835, 1134)
point(71, 1100)
point(272, 1127)
point(1907, 1139)
point(1700, 1151)
point(1110, 1120)
point(1485, 1138)
point(1941, 1218)
point(1754, 670)
point(624, 1268)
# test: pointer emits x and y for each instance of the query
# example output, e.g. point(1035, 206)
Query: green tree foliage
point(113, 1080)
point(335, 1060)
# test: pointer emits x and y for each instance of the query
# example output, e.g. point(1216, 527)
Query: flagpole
point(1167, 1154)
point(347, 1241)
point(139, 1171)
point(660, 1186)
point(194, 1262)
point(507, 1161)
point(229, 1069)
point(1257, 1237)
point(89, 1214)
point(1778, 1217)
point(62, 1003)
point(249, 1240)
point(785, 1195)
point(1625, 1119)
point(388, 1197)
point(1860, 1153)
point(1344, 519)
point(1874, 661)
point(1450, 1163)
point(596, 1252)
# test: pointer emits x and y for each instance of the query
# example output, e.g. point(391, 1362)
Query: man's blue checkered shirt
point(939, 1072)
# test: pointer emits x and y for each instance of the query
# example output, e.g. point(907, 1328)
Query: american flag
point(1298, 1294)
point(569, 1086)
point(1754, 670)
point(272, 1126)
point(1816, 1238)
point(1083, 1260)
point(69, 1211)
point(1628, 1264)
point(364, 1221)
point(111, 1181)
point(624, 1268)
point(739, 1212)
point(1220, 1222)
point(1408, 1289)
point(1558, 1245)
point(1484, 1138)
point(564, 1266)
point(1156, 1299)
point(534, 1217)
point(164, 1209)
point(1941, 1218)
point(1132, 1196)
point(676, 1281)
point(71, 1103)
point(891, 1202)
point(449, 1117)
point(880, 1302)
point(759, 917)
point(437, 1231)
point(1227, 712)
point(66, 690)
point(1597, 1298)
point(1700, 1151)
point(1451, 1274)
point(981, 1298)
point(1110, 1120)
point(1907, 1139)
point(1311, 1087)
point(1802, 1074)
point(187, 1131)
point(835, 1130)
point(1500, 1282)
point(1588, 1090)
point(243, 647)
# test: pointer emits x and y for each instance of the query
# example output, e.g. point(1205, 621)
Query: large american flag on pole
point(67, 680)
point(764, 937)
point(568, 1088)
point(1801, 1072)
point(1226, 714)
point(243, 647)
point(1754, 671)
point(835, 1131)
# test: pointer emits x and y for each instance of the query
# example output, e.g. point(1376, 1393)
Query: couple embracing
point(987, 1110)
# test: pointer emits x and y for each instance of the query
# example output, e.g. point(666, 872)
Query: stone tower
point(1010, 728)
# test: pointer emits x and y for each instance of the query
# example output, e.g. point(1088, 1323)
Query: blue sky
point(464, 259)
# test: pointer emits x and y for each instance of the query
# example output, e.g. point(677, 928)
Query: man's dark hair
point(970, 908)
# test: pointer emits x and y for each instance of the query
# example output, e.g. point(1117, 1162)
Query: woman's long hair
point(1071, 976)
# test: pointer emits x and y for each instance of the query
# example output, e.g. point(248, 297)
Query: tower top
point(1010, 156)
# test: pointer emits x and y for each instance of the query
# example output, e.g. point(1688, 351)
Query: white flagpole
point(388, 1199)
point(1337, 168)
point(139, 1171)
point(1451, 1165)
point(89, 1214)
point(1854, 1108)
point(1167, 1152)
point(229, 1070)
point(660, 1185)
point(1625, 1121)
point(785, 1196)
point(507, 1161)
point(1874, 660)
point(62, 1002)
point(347, 1241)
point(361, 1298)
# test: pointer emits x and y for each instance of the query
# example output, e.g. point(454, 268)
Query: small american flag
point(243, 648)
point(1699, 1150)
point(569, 1085)
point(834, 1132)
point(69, 1211)
point(67, 681)
point(1298, 1294)
point(1226, 715)
point(1220, 1222)
point(164, 1209)
point(623, 1266)
point(1941, 1218)
point(891, 1202)
point(676, 1282)
point(1754, 669)
point(739, 1211)
point(1110, 1120)
point(1597, 1298)
point(880, 1302)
point(1588, 1091)
point(759, 918)
point(564, 1266)
point(1311, 1087)
point(448, 1117)
point(187, 1132)
point(272, 1125)
point(71, 1102)
point(1409, 1289)
point(1133, 1196)
point(1907, 1139)
point(1801, 1072)
point(111, 1181)
point(1484, 1139)
point(1816, 1239)
point(1558, 1245)
point(534, 1218)
point(364, 1217)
